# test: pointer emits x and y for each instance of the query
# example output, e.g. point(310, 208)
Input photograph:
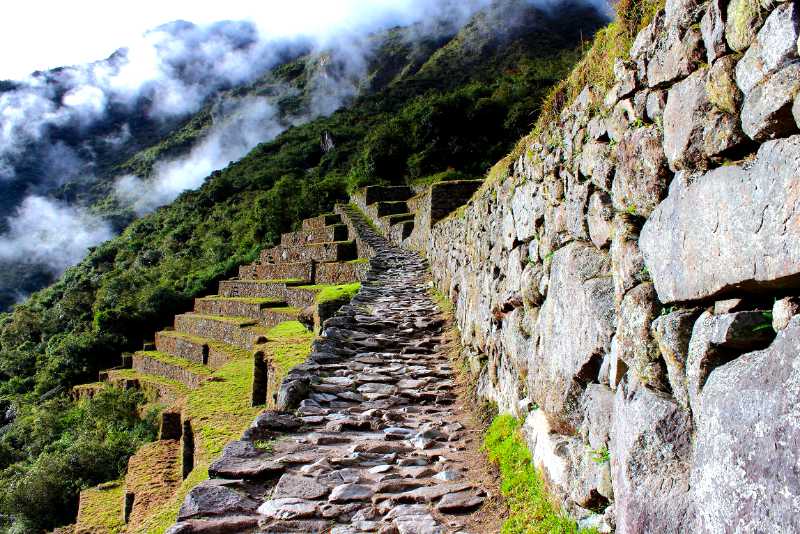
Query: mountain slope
point(454, 104)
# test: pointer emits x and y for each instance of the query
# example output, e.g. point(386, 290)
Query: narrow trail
point(376, 442)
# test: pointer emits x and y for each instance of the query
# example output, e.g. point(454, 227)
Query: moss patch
point(101, 509)
point(532, 510)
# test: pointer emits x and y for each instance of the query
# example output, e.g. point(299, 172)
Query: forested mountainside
point(440, 109)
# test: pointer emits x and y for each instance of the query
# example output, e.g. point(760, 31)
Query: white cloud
point(51, 233)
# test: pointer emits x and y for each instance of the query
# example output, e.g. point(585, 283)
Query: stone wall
point(620, 289)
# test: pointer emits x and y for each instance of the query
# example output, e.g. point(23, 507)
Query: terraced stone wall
point(630, 288)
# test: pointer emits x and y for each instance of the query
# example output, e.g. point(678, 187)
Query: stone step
point(171, 367)
point(302, 271)
point(273, 316)
point(332, 251)
point(210, 352)
point(341, 272)
point(397, 233)
point(382, 209)
point(155, 388)
point(378, 193)
point(236, 331)
point(391, 220)
point(235, 306)
point(325, 234)
point(292, 292)
point(326, 219)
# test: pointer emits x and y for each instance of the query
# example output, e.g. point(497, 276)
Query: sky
point(38, 35)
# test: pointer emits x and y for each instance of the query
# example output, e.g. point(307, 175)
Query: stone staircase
point(388, 208)
point(286, 283)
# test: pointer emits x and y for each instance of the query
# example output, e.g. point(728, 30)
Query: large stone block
point(733, 228)
point(642, 176)
point(774, 47)
point(767, 110)
point(575, 325)
point(650, 463)
point(695, 129)
point(745, 476)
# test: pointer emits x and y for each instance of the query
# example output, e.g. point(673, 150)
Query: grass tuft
point(531, 509)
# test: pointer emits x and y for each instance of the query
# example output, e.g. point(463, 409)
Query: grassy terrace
point(239, 321)
point(246, 300)
point(130, 374)
point(220, 410)
point(235, 352)
point(193, 367)
point(329, 293)
point(95, 514)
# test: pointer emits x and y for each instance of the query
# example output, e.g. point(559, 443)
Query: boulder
point(783, 311)
point(745, 476)
point(627, 264)
point(599, 218)
point(672, 331)
point(712, 27)
point(744, 19)
point(718, 339)
point(721, 88)
point(694, 129)
point(575, 325)
point(635, 344)
point(642, 176)
point(774, 47)
point(216, 497)
point(650, 463)
point(676, 55)
point(745, 221)
point(767, 110)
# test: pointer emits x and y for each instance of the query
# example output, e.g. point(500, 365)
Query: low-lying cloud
point(52, 234)
point(168, 74)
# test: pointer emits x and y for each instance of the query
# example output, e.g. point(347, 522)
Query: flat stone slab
point(299, 487)
point(733, 228)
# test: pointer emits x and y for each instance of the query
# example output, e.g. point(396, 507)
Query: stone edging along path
point(369, 437)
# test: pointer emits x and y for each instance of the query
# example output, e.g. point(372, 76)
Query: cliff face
point(629, 287)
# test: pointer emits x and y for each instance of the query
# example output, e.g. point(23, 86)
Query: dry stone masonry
point(367, 439)
point(630, 286)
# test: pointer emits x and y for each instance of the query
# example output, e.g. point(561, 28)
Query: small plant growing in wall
point(767, 324)
point(601, 455)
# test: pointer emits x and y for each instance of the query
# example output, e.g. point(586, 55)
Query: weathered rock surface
point(745, 476)
point(745, 221)
point(650, 460)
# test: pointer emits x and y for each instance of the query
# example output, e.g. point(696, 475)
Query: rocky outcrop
point(620, 285)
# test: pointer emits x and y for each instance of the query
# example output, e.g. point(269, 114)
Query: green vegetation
point(532, 511)
point(601, 456)
point(337, 293)
point(422, 113)
point(96, 514)
point(220, 410)
point(289, 345)
point(57, 448)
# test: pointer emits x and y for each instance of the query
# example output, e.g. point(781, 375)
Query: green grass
point(359, 261)
point(193, 367)
point(101, 508)
point(340, 292)
point(289, 345)
point(531, 508)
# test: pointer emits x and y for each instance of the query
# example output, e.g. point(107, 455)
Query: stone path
point(369, 439)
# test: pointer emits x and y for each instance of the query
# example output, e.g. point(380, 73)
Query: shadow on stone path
point(369, 439)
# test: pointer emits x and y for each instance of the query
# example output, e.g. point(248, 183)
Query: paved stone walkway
point(369, 439)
